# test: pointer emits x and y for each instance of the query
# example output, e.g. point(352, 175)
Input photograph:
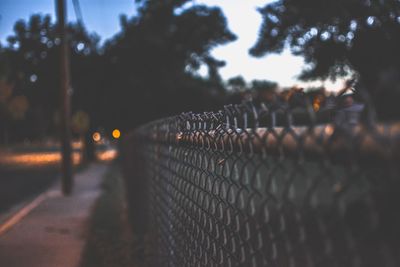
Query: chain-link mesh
point(248, 186)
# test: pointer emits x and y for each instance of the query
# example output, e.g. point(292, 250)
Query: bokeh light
point(96, 136)
point(116, 133)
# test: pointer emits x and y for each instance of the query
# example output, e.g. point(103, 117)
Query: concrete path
point(50, 231)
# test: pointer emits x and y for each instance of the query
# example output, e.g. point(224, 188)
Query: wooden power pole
point(66, 150)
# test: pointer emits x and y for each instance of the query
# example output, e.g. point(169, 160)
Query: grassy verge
point(109, 241)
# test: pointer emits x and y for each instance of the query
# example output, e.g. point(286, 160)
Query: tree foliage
point(237, 83)
point(337, 37)
point(146, 71)
point(263, 85)
point(154, 58)
point(32, 67)
point(332, 34)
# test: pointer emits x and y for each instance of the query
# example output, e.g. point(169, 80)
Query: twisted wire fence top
point(261, 185)
point(255, 128)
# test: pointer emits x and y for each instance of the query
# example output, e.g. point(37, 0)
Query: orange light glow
point(77, 144)
point(38, 159)
point(116, 133)
point(316, 104)
point(107, 155)
point(329, 130)
point(96, 137)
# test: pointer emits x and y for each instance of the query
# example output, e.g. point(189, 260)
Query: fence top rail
point(251, 129)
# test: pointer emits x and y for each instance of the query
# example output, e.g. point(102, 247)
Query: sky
point(102, 17)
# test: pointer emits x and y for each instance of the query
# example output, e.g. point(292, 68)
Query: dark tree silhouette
point(236, 83)
point(337, 37)
point(264, 90)
point(30, 50)
point(153, 59)
point(263, 85)
point(33, 69)
point(146, 71)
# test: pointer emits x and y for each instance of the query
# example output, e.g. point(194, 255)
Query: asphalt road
point(19, 184)
point(25, 173)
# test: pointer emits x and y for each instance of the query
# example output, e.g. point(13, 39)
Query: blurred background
point(136, 61)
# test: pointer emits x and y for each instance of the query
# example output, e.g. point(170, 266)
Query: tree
point(338, 37)
point(13, 108)
point(145, 71)
point(32, 66)
point(152, 61)
point(263, 85)
point(236, 83)
point(265, 90)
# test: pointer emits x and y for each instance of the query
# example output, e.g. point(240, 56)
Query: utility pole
point(66, 150)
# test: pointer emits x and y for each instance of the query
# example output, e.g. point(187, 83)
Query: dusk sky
point(102, 17)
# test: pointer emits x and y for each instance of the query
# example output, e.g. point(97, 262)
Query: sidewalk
point(53, 233)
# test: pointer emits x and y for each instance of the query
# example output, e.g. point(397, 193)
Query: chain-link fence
point(254, 186)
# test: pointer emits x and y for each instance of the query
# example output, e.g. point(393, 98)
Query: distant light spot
point(188, 68)
point(33, 78)
point(325, 36)
point(329, 130)
point(308, 36)
point(80, 46)
point(353, 25)
point(96, 137)
point(316, 104)
point(15, 45)
point(350, 36)
point(57, 41)
point(314, 31)
point(116, 133)
point(178, 11)
point(273, 18)
point(43, 40)
point(274, 32)
point(371, 20)
point(341, 38)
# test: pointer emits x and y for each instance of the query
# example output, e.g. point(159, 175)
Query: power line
point(78, 12)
